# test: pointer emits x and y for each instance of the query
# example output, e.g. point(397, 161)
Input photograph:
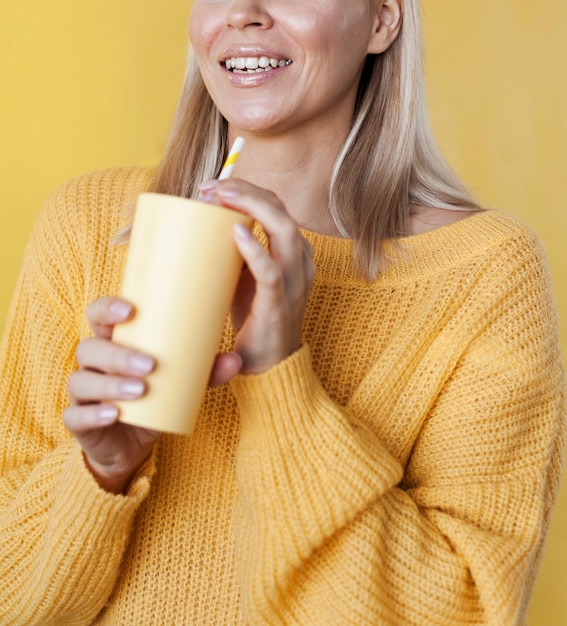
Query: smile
point(253, 65)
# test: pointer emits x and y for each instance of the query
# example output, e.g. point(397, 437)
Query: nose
point(244, 14)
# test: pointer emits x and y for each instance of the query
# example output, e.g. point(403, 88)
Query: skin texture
point(294, 120)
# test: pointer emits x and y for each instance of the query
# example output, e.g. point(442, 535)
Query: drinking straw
point(231, 158)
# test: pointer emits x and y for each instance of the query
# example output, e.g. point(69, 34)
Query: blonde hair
point(389, 163)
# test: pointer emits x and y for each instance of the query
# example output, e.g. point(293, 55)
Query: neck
point(298, 171)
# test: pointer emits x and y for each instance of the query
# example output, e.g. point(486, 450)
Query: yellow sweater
point(400, 468)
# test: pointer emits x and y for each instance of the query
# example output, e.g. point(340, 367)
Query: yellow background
point(92, 83)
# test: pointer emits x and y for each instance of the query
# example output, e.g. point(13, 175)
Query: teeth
point(242, 65)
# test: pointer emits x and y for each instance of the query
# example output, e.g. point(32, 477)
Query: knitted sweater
point(400, 468)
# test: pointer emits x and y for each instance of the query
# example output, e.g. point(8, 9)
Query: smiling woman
point(382, 439)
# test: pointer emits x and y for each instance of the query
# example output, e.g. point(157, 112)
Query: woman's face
point(275, 65)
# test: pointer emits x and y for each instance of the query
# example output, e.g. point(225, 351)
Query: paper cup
point(181, 274)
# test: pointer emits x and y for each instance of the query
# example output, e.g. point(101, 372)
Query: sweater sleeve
point(336, 529)
point(61, 537)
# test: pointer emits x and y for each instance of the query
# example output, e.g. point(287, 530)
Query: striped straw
point(231, 158)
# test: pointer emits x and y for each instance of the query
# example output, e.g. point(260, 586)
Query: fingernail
point(107, 414)
point(208, 185)
point(140, 364)
point(242, 232)
point(120, 309)
point(130, 389)
point(207, 197)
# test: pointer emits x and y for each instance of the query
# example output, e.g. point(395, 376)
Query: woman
point(388, 449)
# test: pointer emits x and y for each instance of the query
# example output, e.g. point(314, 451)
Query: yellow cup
point(181, 274)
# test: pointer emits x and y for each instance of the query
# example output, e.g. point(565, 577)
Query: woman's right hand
point(108, 372)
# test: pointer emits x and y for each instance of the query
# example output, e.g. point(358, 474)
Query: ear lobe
point(387, 24)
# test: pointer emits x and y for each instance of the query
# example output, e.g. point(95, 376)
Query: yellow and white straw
point(231, 158)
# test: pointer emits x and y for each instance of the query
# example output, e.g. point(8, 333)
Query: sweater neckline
point(415, 255)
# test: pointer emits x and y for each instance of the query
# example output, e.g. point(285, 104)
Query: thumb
point(226, 366)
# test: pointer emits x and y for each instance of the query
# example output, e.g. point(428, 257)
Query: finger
point(85, 386)
point(225, 368)
point(267, 209)
point(81, 419)
point(105, 356)
point(309, 267)
point(292, 282)
point(269, 276)
point(103, 314)
point(287, 246)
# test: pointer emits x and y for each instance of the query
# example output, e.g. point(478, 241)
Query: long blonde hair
point(389, 163)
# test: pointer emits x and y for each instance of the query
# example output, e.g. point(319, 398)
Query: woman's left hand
point(271, 297)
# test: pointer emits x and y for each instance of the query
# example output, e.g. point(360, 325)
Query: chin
point(260, 122)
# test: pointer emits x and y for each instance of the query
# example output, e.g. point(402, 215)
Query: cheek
point(335, 36)
point(203, 28)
